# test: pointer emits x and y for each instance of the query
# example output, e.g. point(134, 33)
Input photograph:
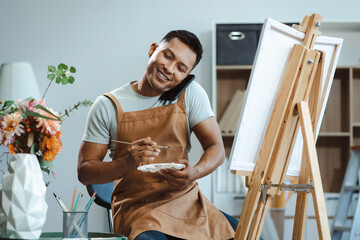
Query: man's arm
point(92, 169)
point(208, 133)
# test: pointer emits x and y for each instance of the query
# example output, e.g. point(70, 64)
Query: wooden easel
point(298, 103)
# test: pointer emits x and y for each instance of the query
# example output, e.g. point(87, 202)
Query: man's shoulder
point(118, 93)
point(195, 86)
point(103, 103)
point(195, 91)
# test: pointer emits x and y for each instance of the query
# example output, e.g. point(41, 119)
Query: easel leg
point(304, 176)
point(277, 211)
point(259, 218)
point(317, 192)
point(248, 210)
point(301, 202)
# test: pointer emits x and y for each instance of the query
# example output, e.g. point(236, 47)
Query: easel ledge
point(248, 174)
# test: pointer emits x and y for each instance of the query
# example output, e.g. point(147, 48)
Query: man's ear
point(152, 49)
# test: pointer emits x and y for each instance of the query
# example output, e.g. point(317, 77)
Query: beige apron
point(145, 201)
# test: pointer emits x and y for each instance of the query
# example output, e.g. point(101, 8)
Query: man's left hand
point(179, 179)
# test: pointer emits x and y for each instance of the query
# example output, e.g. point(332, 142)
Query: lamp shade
point(17, 81)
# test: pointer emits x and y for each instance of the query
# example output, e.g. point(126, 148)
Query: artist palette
point(157, 166)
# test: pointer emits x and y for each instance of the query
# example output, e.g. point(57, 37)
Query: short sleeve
point(97, 128)
point(197, 104)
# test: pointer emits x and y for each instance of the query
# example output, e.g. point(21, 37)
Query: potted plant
point(31, 131)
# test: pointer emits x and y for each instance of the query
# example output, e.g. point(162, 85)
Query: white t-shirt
point(101, 124)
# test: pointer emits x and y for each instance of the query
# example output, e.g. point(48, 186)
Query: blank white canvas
point(275, 45)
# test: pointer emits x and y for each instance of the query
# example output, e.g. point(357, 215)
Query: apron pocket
point(189, 205)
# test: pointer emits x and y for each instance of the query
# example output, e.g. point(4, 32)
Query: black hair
point(188, 38)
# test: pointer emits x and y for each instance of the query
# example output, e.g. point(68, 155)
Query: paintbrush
point(130, 143)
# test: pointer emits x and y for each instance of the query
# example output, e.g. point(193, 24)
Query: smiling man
point(167, 204)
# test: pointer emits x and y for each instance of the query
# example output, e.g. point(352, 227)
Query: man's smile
point(162, 76)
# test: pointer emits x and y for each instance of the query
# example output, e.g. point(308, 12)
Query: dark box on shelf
point(236, 43)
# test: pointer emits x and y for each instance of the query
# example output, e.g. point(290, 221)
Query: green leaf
point(18, 143)
point(65, 81)
point(51, 76)
point(40, 160)
point(59, 72)
point(27, 99)
point(63, 66)
point(51, 68)
point(45, 169)
point(8, 103)
point(36, 145)
point(72, 69)
point(48, 164)
point(86, 103)
point(24, 116)
point(32, 149)
point(46, 110)
point(35, 114)
point(71, 79)
point(45, 165)
point(58, 79)
point(23, 108)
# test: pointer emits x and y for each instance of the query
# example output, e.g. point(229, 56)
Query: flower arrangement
point(29, 126)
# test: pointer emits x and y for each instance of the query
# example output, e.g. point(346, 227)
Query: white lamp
point(17, 81)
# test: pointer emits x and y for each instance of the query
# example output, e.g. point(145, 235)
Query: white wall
point(107, 41)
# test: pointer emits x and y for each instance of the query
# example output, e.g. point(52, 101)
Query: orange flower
point(50, 147)
point(48, 126)
point(58, 134)
point(11, 149)
point(9, 127)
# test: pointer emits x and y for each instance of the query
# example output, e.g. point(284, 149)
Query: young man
point(166, 204)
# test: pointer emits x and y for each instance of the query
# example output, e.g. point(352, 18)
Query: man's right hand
point(143, 152)
point(93, 170)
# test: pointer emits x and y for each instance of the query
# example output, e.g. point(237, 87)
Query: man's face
point(169, 64)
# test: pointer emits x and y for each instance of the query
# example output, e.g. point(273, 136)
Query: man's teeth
point(163, 76)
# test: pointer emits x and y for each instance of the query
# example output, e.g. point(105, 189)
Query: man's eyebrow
point(173, 55)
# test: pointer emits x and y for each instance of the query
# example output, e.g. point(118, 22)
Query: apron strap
point(182, 97)
point(115, 101)
point(118, 111)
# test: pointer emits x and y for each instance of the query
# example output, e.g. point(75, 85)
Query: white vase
point(23, 207)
